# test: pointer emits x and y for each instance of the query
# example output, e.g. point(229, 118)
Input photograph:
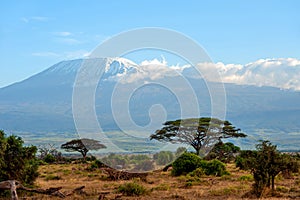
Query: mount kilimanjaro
point(42, 104)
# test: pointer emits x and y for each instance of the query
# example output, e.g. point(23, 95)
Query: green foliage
point(197, 172)
point(246, 178)
point(132, 189)
point(95, 165)
point(197, 132)
point(265, 164)
point(186, 163)
point(163, 157)
point(214, 167)
point(223, 151)
point(189, 162)
point(49, 158)
point(17, 162)
point(245, 159)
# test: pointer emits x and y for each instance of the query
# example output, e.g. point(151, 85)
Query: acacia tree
point(82, 145)
point(200, 133)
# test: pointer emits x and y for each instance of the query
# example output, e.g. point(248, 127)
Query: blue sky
point(37, 34)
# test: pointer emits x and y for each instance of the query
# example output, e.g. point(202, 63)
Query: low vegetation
point(226, 172)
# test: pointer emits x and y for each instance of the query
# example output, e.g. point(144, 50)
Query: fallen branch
point(53, 191)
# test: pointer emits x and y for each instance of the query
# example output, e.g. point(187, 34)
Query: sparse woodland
point(226, 172)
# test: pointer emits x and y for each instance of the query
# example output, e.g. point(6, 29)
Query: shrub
point(186, 163)
point(215, 167)
point(95, 165)
point(132, 189)
point(243, 161)
point(224, 152)
point(16, 161)
point(197, 172)
point(49, 158)
point(246, 178)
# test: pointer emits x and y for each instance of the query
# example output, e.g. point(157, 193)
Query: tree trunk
point(273, 184)
point(83, 153)
point(269, 182)
point(13, 190)
point(198, 151)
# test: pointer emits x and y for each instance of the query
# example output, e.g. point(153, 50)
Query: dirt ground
point(159, 185)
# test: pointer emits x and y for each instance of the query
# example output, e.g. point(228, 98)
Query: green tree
point(17, 162)
point(265, 164)
point(82, 145)
point(224, 152)
point(200, 133)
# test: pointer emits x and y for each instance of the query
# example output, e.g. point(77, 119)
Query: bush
point(132, 189)
point(95, 165)
point(224, 152)
point(186, 163)
point(197, 172)
point(16, 161)
point(215, 167)
point(246, 178)
point(163, 157)
point(49, 158)
point(243, 161)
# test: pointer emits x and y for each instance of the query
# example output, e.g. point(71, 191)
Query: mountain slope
point(43, 102)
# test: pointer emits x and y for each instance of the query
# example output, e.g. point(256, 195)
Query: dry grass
point(160, 185)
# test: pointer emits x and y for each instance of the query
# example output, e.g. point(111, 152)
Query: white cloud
point(70, 41)
point(282, 73)
point(35, 18)
point(45, 54)
point(63, 33)
point(146, 70)
point(64, 55)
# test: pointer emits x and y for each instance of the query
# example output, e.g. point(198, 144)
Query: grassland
point(159, 185)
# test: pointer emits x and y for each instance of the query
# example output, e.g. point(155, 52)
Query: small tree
point(82, 145)
point(265, 164)
point(224, 152)
point(49, 153)
point(200, 133)
point(17, 162)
